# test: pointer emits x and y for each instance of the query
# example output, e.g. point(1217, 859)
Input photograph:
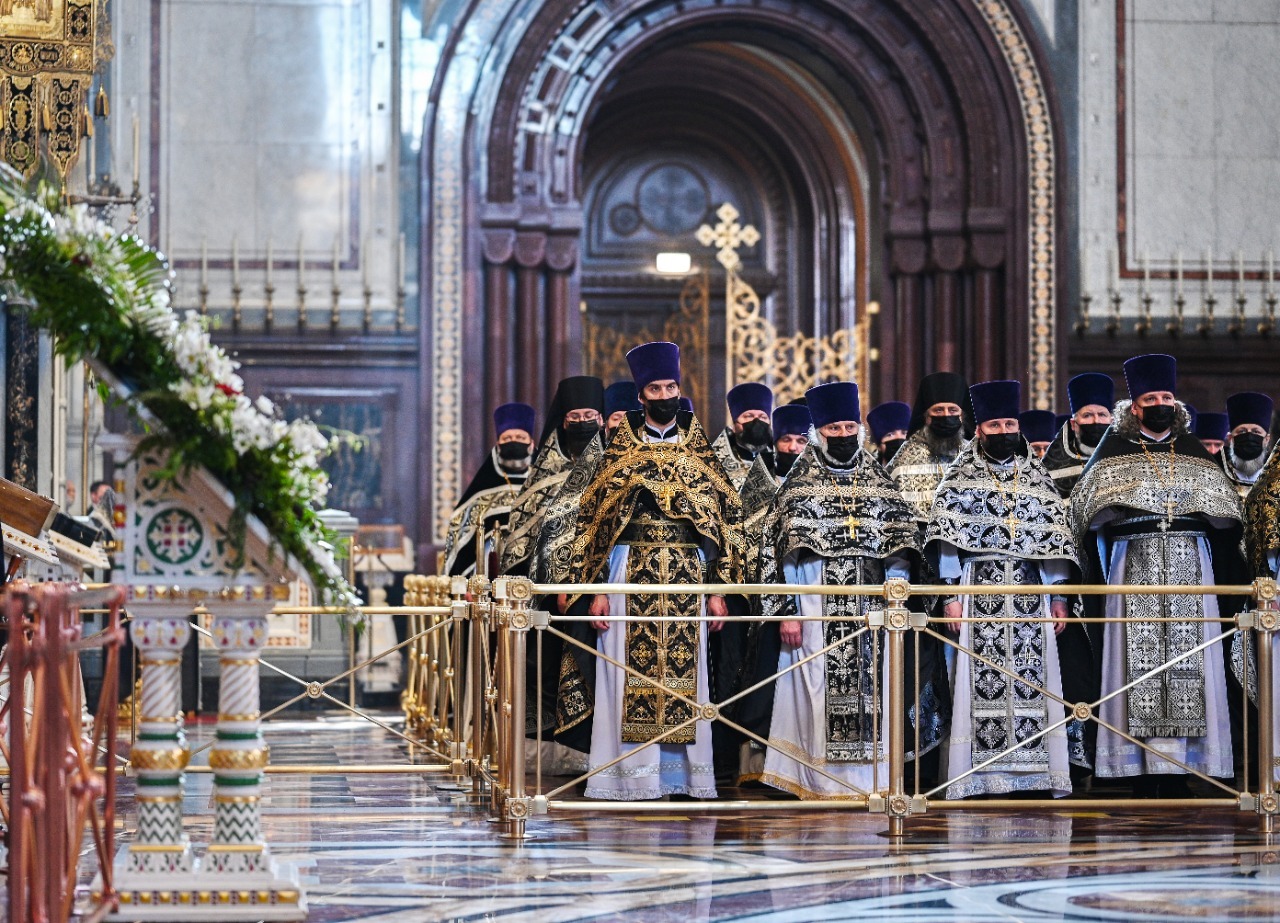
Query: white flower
point(197, 396)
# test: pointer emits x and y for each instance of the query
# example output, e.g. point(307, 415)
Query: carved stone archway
point(956, 118)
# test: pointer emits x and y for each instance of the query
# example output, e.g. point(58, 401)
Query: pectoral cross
point(852, 524)
point(1012, 522)
point(1169, 506)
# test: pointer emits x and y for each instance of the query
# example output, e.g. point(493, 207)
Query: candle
point(1146, 270)
point(335, 260)
point(137, 150)
point(300, 262)
point(400, 270)
point(269, 260)
point(1179, 260)
point(1208, 270)
point(204, 262)
point(235, 261)
point(1240, 266)
point(1113, 267)
point(1271, 270)
point(93, 160)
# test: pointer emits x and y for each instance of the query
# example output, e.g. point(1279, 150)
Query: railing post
point(452, 685)
point(1265, 623)
point(896, 622)
point(478, 617)
point(512, 595)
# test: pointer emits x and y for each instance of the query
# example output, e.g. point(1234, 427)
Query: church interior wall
point(269, 125)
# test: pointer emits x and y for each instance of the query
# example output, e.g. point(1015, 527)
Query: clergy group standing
point(967, 489)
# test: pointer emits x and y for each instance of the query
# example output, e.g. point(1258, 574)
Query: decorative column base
point(271, 895)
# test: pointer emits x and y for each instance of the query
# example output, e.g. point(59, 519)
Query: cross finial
point(728, 235)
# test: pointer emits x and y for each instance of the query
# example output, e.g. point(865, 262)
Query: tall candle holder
point(1236, 326)
point(1176, 324)
point(1143, 326)
point(1082, 325)
point(1205, 327)
point(268, 308)
point(1268, 323)
point(237, 308)
point(204, 277)
point(302, 289)
point(1113, 323)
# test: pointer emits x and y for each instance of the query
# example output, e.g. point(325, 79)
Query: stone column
point(238, 868)
point(160, 753)
point(154, 876)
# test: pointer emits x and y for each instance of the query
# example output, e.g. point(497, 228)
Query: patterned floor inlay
point(401, 847)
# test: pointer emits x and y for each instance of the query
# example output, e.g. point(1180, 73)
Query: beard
point(943, 446)
point(1249, 469)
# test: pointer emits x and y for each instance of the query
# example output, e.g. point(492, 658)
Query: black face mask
point(1091, 433)
point(513, 451)
point(945, 427)
point(663, 411)
point(785, 461)
point(1247, 446)
point(1158, 417)
point(577, 435)
point(842, 448)
point(889, 449)
point(756, 435)
point(1001, 445)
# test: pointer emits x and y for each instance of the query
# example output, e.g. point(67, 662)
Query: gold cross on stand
point(728, 236)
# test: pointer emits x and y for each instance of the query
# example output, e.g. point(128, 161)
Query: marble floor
point(393, 848)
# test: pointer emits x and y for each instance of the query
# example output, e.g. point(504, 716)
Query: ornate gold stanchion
point(512, 595)
point(897, 803)
point(1266, 620)
point(478, 620)
point(450, 685)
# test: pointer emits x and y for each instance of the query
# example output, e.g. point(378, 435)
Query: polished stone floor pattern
point(395, 848)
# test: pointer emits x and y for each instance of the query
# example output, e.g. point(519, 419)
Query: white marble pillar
point(238, 863)
point(160, 753)
point(154, 874)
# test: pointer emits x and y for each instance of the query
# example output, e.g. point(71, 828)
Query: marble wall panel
point(1174, 114)
point(265, 126)
point(1247, 215)
point(1171, 10)
point(1200, 135)
point(1172, 192)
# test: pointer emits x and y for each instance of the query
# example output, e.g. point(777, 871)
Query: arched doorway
point(919, 131)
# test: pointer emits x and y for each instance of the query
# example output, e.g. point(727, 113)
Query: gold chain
point(1010, 503)
point(1167, 478)
point(851, 521)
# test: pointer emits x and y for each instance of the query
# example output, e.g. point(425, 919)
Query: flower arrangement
point(105, 296)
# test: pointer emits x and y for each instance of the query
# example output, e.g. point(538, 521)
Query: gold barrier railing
point(504, 606)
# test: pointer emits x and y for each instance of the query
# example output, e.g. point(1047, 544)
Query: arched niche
point(945, 100)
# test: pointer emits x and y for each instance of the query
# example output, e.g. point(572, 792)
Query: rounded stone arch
point(959, 123)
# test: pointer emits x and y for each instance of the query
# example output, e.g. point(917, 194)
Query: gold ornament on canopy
point(789, 365)
point(605, 347)
point(48, 52)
